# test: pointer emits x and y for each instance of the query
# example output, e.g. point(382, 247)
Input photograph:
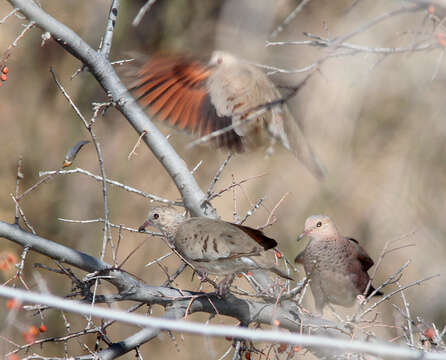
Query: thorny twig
point(289, 18)
point(217, 175)
point(138, 142)
point(145, 8)
point(219, 193)
point(417, 282)
point(114, 183)
point(8, 51)
point(272, 218)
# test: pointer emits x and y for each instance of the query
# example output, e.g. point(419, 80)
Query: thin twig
point(145, 8)
point(374, 21)
point(252, 210)
point(138, 142)
point(22, 215)
point(417, 282)
point(289, 18)
point(114, 183)
point(272, 218)
point(327, 43)
point(219, 193)
point(17, 187)
point(7, 52)
point(109, 28)
point(12, 12)
point(196, 167)
point(159, 259)
point(408, 316)
point(100, 220)
point(218, 174)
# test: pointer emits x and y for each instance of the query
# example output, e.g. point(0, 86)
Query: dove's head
point(220, 57)
point(318, 226)
point(165, 219)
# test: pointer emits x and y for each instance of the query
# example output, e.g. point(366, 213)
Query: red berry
point(3, 77)
point(11, 258)
point(42, 328)
point(441, 39)
point(13, 357)
point(12, 304)
point(3, 265)
point(5, 70)
point(429, 333)
point(278, 254)
point(9, 304)
point(32, 330)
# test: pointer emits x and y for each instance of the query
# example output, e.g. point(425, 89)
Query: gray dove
point(336, 265)
point(215, 246)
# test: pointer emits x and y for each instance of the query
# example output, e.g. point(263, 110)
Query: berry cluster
point(3, 74)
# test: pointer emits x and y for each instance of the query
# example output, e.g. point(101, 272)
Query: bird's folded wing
point(365, 260)
point(299, 259)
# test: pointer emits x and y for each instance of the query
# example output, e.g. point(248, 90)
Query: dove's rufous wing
point(173, 90)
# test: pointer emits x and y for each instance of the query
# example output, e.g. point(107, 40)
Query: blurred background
point(377, 123)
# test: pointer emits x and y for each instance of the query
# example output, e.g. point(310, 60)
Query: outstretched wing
point(173, 90)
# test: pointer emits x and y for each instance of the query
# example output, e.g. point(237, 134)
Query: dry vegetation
point(374, 117)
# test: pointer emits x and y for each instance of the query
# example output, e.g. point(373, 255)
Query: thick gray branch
point(274, 336)
point(132, 289)
point(129, 288)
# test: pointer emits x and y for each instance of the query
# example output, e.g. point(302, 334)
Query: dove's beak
point(143, 226)
point(301, 236)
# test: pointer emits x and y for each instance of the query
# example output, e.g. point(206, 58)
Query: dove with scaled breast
point(336, 265)
point(213, 246)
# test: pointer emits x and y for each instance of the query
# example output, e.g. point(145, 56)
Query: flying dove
point(203, 98)
point(215, 246)
point(336, 265)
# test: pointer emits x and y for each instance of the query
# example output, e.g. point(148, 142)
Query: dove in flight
point(203, 98)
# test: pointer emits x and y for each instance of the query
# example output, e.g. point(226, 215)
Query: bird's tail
point(299, 146)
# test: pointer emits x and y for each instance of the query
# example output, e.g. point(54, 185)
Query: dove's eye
point(156, 216)
point(319, 224)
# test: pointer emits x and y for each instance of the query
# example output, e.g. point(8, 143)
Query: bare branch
point(110, 27)
point(275, 336)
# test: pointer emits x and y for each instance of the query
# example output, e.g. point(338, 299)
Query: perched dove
point(203, 98)
point(336, 265)
point(215, 246)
